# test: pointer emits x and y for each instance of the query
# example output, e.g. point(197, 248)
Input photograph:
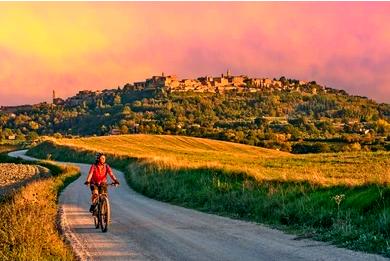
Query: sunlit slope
point(176, 149)
point(264, 164)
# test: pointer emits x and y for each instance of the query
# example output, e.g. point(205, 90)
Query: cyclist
point(97, 178)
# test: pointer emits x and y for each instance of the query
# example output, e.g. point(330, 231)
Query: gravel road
point(146, 229)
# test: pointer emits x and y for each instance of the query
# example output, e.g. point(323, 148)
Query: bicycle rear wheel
point(105, 214)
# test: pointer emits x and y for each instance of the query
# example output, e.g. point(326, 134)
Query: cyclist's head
point(100, 158)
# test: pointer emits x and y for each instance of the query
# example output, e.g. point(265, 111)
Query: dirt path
point(146, 229)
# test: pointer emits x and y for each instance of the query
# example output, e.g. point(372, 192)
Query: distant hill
point(285, 114)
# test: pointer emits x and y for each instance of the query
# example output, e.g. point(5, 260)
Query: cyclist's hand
point(116, 183)
point(86, 183)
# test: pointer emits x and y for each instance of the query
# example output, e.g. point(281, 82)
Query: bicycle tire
point(96, 221)
point(99, 214)
point(105, 214)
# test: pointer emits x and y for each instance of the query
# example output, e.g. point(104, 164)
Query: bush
point(302, 148)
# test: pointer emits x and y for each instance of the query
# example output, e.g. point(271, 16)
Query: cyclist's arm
point(89, 177)
point(112, 176)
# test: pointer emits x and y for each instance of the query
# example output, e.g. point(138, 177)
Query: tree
point(355, 146)
point(8, 132)
point(283, 79)
point(126, 110)
point(99, 104)
point(32, 136)
point(260, 121)
point(169, 105)
point(33, 125)
point(382, 127)
point(103, 129)
point(117, 100)
point(137, 103)
point(20, 137)
point(124, 129)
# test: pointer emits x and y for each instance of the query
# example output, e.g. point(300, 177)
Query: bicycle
point(102, 213)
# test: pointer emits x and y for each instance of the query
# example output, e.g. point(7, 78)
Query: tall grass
point(28, 229)
point(348, 209)
point(180, 152)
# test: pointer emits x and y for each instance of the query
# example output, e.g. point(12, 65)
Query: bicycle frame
point(103, 215)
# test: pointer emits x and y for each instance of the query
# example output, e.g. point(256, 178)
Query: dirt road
point(145, 229)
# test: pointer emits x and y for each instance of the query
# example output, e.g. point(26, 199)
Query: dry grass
point(28, 221)
point(180, 152)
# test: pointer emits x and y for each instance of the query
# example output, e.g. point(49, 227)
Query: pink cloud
point(342, 45)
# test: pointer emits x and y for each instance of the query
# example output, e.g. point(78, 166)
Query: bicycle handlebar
point(108, 184)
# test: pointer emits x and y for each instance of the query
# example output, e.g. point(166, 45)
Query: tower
point(228, 73)
point(54, 95)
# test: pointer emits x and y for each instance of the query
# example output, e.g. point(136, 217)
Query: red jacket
point(98, 174)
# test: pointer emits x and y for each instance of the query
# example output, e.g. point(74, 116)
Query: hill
point(284, 114)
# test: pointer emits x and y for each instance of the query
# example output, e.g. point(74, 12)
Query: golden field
point(326, 169)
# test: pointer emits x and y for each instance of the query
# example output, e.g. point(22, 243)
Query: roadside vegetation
point(341, 198)
point(28, 215)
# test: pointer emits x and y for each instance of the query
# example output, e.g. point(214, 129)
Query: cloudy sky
point(74, 46)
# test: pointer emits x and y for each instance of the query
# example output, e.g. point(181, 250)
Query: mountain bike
point(102, 213)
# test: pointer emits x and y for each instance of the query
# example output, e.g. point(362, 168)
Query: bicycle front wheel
point(105, 214)
point(96, 221)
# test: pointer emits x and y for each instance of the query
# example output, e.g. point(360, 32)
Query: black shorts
point(101, 188)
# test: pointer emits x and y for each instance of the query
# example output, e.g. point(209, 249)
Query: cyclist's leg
point(94, 196)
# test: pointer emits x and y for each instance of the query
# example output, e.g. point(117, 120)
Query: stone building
point(220, 81)
point(160, 82)
point(139, 86)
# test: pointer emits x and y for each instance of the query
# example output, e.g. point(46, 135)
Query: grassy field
point(28, 217)
point(341, 198)
point(178, 152)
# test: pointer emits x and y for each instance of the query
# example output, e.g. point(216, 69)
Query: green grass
point(305, 206)
point(28, 217)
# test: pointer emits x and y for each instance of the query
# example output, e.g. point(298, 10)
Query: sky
point(68, 47)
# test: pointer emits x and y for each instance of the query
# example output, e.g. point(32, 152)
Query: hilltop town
point(205, 84)
point(220, 84)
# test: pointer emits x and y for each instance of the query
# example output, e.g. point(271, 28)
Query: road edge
point(63, 227)
point(70, 238)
